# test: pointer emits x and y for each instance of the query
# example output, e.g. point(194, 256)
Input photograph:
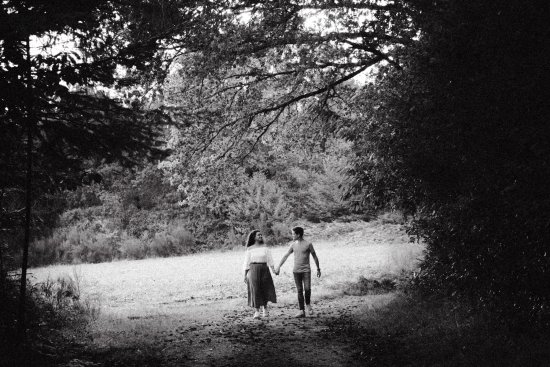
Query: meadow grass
point(144, 301)
point(141, 299)
point(162, 285)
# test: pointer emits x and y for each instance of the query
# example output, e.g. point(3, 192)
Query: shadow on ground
point(383, 329)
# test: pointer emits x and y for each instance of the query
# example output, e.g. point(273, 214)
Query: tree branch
point(321, 90)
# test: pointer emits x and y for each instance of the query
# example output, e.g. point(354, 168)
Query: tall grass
point(408, 330)
point(98, 242)
point(53, 306)
point(64, 296)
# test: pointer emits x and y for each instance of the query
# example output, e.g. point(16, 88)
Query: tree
point(455, 138)
point(262, 62)
point(262, 69)
point(61, 95)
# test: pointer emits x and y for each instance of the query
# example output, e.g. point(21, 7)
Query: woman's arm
point(269, 260)
point(246, 264)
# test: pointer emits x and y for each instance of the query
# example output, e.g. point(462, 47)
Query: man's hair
point(299, 231)
point(251, 238)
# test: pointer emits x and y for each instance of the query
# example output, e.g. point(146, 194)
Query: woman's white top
point(257, 254)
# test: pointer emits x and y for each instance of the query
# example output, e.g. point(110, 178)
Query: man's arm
point(312, 250)
point(283, 260)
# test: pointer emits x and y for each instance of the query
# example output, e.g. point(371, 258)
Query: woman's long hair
point(251, 238)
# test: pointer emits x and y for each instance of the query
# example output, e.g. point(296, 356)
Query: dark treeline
point(169, 127)
point(461, 138)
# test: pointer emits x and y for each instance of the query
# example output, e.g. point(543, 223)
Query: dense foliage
point(63, 104)
point(65, 70)
point(459, 138)
point(137, 213)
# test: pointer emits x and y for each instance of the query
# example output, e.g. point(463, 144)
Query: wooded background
point(135, 129)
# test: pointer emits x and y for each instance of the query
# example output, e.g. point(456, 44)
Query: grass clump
point(52, 308)
point(412, 331)
point(371, 286)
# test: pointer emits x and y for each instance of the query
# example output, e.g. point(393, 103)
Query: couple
point(258, 278)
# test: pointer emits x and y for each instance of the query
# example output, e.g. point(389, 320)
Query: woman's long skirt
point(260, 286)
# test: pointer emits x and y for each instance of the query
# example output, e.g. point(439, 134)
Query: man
point(302, 271)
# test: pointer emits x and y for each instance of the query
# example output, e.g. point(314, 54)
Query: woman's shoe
point(300, 314)
point(256, 315)
point(265, 313)
point(309, 310)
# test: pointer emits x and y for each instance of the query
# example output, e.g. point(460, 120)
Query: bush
point(281, 233)
point(235, 239)
point(391, 217)
point(175, 240)
point(64, 297)
point(83, 197)
point(365, 286)
point(261, 205)
point(327, 190)
point(100, 247)
point(48, 250)
point(90, 245)
point(133, 248)
point(50, 306)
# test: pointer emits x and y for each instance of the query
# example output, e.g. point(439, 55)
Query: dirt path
point(224, 334)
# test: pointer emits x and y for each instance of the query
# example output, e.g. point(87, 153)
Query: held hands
point(277, 270)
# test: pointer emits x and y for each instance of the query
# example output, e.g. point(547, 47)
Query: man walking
point(302, 271)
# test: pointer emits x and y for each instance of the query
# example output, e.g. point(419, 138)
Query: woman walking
point(256, 266)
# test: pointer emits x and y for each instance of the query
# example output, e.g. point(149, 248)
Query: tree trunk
point(28, 199)
point(2, 275)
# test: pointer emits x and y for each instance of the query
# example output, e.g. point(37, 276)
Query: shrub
point(101, 247)
point(51, 305)
point(391, 217)
point(133, 248)
point(281, 232)
point(327, 189)
point(64, 296)
point(175, 240)
point(83, 196)
point(90, 244)
point(48, 250)
point(370, 286)
point(235, 239)
point(262, 204)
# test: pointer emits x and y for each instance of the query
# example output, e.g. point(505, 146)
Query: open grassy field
point(191, 311)
point(164, 285)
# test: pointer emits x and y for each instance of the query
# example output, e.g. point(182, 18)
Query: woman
point(257, 275)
